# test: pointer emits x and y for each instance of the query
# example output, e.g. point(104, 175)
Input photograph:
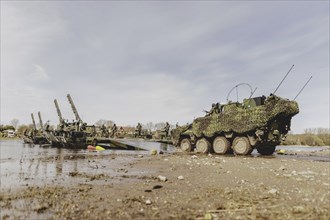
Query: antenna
point(303, 87)
point(235, 87)
point(253, 92)
point(283, 79)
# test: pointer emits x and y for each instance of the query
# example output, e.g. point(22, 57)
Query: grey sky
point(160, 61)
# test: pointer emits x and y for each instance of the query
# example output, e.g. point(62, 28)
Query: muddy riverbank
point(169, 186)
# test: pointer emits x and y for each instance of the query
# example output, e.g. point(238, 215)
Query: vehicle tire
point(242, 146)
point(185, 145)
point(221, 145)
point(266, 149)
point(203, 146)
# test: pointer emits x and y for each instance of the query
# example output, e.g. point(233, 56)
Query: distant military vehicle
point(69, 135)
point(76, 134)
point(34, 135)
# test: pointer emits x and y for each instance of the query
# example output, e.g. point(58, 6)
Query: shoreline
point(180, 186)
point(297, 145)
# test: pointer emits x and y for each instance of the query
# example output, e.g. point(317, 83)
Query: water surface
point(22, 164)
point(25, 164)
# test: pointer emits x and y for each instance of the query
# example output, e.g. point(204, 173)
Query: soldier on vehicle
point(113, 130)
point(138, 129)
point(211, 111)
point(167, 129)
point(215, 109)
point(104, 132)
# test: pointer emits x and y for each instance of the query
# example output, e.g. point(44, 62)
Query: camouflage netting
point(242, 120)
point(175, 133)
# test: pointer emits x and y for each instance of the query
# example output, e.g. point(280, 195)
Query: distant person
point(167, 129)
point(113, 130)
point(217, 108)
point(138, 129)
point(211, 111)
point(104, 131)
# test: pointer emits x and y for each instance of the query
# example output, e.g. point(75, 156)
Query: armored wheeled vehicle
point(259, 122)
point(34, 135)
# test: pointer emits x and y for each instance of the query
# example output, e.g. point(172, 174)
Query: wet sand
point(176, 186)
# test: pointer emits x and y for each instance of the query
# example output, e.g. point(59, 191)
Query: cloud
point(145, 97)
point(26, 33)
point(157, 61)
point(39, 73)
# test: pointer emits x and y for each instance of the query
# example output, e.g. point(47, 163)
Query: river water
point(27, 164)
point(24, 164)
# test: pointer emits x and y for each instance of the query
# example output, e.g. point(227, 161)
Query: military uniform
point(139, 129)
point(113, 130)
point(167, 129)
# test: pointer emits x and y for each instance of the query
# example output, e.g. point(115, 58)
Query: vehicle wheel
point(266, 149)
point(242, 146)
point(221, 145)
point(185, 145)
point(203, 146)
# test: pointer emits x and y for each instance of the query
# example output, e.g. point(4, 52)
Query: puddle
point(302, 148)
point(298, 153)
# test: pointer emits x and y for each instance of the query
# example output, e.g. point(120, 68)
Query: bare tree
point(149, 126)
point(159, 125)
point(100, 122)
point(14, 122)
point(107, 123)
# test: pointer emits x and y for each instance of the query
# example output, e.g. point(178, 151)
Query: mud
point(169, 186)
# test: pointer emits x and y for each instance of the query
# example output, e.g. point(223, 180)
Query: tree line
point(311, 136)
point(19, 129)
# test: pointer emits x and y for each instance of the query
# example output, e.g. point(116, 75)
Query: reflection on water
point(59, 161)
point(25, 164)
point(163, 147)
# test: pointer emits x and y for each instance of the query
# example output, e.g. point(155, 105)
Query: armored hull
point(258, 122)
point(34, 139)
point(73, 139)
